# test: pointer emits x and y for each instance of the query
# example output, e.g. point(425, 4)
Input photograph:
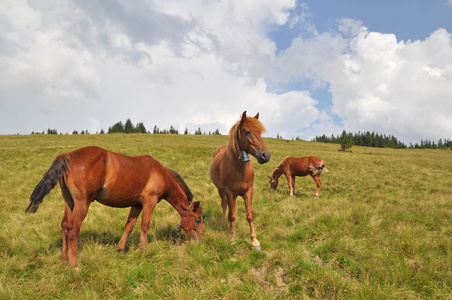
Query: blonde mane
point(252, 123)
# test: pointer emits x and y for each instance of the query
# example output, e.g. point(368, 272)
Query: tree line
point(347, 140)
point(129, 127)
point(376, 140)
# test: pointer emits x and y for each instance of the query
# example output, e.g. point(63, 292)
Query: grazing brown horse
point(298, 166)
point(232, 171)
point(116, 180)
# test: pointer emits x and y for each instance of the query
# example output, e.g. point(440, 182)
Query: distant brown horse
point(116, 180)
point(298, 166)
point(232, 171)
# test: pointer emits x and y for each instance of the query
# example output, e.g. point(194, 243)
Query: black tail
point(58, 169)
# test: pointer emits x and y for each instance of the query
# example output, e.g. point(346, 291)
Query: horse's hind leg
point(229, 200)
point(73, 229)
point(74, 214)
point(232, 214)
point(64, 227)
point(68, 204)
point(224, 204)
point(131, 220)
point(319, 184)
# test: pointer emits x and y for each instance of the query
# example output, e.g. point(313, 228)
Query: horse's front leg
point(131, 220)
point(319, 184)
point(149, 204)
point(248, 197)
point(293, 185)
point(289, 182)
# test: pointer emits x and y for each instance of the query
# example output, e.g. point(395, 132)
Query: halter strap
point(187, 209)
point(237, 147)
point(242, 156)
point(178, 226)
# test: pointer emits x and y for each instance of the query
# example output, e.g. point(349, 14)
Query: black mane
point(181, 183)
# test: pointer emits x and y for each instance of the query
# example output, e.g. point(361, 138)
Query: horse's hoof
point(257, 248)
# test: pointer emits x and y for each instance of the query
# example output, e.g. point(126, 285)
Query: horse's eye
point(198, 220)
point(247, 132)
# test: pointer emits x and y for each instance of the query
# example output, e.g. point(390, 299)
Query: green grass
point(381, 229)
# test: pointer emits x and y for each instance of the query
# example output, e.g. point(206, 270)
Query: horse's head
point(273, 183)
point(248, 138)
point(192, 223)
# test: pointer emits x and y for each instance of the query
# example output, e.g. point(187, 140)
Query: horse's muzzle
point(263, 156)
point(196, 236)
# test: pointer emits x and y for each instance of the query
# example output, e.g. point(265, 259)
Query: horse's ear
point(269, 177)
point(257, 116)
point(197, 206)
point(243, 118)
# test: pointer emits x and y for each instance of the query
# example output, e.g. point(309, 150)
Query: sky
point(308, 67)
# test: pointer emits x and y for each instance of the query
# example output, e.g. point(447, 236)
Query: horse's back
point(128, 178)
point(300, 165)
point(316, 161)
point(111, 177)
point(219, 151)
point(215, 167)
point(87, 164)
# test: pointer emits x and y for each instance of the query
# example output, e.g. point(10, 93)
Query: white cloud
point(351, 27)
point(396, 87)
point(77, 64)
point(378, 83)
point(42, 74)
point(106, 64)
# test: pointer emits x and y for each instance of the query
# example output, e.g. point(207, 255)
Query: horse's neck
point(177, 198)
point(179, 202)
point(277, 172)
point(232, 154)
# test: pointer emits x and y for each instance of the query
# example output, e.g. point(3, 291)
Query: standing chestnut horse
point(298, 166)
point(232, 171)
point(116, 180)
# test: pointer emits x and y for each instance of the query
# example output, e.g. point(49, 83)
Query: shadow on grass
point(111, 238)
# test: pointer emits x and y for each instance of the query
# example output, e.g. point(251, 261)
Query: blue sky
point(309, 67)
point(407, 19)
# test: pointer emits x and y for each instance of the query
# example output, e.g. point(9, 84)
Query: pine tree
point(140, 128)
point(346, 142)
point(117, 128)
point(128, 127)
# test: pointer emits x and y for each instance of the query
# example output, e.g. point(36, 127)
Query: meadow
point(382, 228)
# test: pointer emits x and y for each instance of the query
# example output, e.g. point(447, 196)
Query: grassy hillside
point(381, 229)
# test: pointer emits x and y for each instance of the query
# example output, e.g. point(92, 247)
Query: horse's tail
point(58, 169)
point(317, 170)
